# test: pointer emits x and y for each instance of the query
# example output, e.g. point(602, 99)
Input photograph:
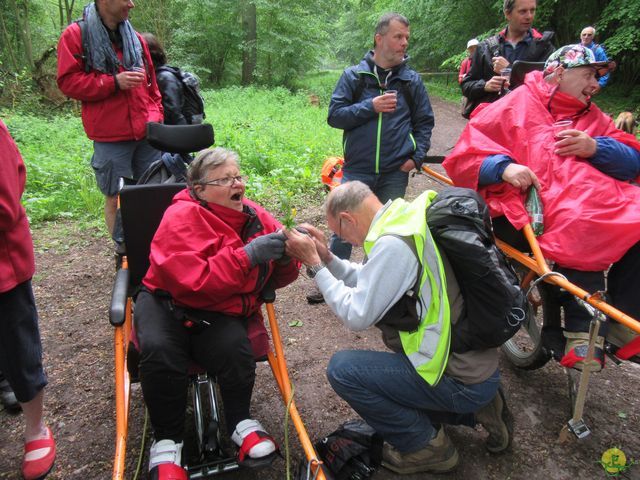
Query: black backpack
point(494, 304)
point(352, 452)
point(192, 103)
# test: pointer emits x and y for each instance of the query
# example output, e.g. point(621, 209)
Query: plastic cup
point(391, 92)
point(560, 126)
point(506, 74)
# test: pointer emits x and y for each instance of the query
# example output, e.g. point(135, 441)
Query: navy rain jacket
point(381, 142)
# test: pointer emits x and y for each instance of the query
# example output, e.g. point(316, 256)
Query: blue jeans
point(387, 392)
point(386, 186)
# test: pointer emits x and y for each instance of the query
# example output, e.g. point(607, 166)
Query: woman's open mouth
point(236, 197)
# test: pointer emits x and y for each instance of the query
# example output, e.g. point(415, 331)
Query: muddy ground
point(72, 287)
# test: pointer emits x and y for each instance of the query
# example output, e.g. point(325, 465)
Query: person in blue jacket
point(383, 108)
point(587, 37)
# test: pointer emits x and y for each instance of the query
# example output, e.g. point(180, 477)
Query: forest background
point(258, 61)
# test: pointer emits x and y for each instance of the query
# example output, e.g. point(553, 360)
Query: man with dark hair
point(105, 63)
point(587, 39)
point(384, 110)
point(518, 41)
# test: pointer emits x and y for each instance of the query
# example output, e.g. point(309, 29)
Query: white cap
point(472, 43)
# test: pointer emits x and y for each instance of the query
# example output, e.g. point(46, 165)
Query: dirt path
point(73, 284)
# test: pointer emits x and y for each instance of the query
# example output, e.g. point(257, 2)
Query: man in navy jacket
point(383, 108)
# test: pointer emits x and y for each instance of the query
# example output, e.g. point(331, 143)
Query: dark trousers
point(167, 349)
point(622, 281)
point(20, 347)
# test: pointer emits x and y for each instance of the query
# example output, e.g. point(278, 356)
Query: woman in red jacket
point(20, 346)
point(212, 255)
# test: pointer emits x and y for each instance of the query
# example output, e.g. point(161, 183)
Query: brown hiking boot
point(315, 295)
point(496, 418)
point(439, 456)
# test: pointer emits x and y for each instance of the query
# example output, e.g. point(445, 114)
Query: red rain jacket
point(590, 218)
point(197, 255)
point(17, 264)
point(108, 115)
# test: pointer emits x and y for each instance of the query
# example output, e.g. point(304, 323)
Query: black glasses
point(226, 181)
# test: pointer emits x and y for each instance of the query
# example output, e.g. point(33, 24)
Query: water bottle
point(534, 209)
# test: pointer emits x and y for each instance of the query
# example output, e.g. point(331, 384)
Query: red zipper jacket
point(17, 264)
point(108, 114)
point(197, 255)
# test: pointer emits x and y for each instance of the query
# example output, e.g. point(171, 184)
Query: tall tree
point(249, 45)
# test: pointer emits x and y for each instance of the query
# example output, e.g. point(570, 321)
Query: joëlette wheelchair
point(142, 208)
point(537, 341)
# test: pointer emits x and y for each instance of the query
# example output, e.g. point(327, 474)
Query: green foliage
point(620, 20)
point(443, 86)
point(60, 182)
point(281, 138)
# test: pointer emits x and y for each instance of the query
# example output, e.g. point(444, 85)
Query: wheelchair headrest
point(519, 70)
point(180, 138)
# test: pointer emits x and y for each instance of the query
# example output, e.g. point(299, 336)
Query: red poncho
point(590, 218)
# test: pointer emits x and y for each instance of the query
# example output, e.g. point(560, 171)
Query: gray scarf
point(100, 53)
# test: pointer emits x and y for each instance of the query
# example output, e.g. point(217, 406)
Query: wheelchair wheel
point(526, 348)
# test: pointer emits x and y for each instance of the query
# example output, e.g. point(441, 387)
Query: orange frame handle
point(279, 367)
point(122, 385)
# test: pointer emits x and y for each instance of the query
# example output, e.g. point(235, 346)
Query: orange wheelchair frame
point(180, 139)
point(276, 360)
point(536, 266)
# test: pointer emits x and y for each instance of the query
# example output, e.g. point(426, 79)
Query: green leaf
point(295, 323)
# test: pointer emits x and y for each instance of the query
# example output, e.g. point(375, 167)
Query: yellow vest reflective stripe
point(428, 347)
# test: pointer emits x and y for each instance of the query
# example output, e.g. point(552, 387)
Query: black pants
point(20, 347)
point(167, 349)
point(623, 281)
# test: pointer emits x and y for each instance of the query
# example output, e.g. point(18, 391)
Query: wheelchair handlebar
point(118, 307)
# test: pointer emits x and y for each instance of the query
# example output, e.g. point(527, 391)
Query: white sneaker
point(252, 439)
point(165, 452)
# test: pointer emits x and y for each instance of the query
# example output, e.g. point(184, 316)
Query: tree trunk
point(23, 31)
point(249, 51)
point(8, 44)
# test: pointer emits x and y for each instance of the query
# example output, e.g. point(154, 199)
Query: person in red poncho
point(210, 259)
point(586, 175)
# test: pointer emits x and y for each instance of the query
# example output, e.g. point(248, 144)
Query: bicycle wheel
point(526, 349)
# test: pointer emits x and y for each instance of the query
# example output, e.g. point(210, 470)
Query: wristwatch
point(313, 270)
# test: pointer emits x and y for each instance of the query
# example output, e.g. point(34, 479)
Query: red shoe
point(40, 466)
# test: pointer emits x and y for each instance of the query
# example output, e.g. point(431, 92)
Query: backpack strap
point(547, 36)
point(84, 56)
point(408, 96)
point(360, 86)
point(493, 44)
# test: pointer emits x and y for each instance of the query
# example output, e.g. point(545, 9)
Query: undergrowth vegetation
point(282, 139)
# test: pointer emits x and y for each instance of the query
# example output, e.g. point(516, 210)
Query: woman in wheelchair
point(210, 258)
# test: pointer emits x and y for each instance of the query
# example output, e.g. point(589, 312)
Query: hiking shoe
point(439, 456)
point(315, 295)
point(620, 335)
point(8, 398)
point(575, 352)
point(253, 441)
point(165, 461)
point(496, 419)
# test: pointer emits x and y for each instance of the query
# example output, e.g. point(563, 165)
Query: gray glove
point(265, 248)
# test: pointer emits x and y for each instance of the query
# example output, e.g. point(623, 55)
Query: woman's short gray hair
point(206, 160)
point(346, 198)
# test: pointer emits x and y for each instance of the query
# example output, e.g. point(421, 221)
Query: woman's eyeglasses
point(226, 181)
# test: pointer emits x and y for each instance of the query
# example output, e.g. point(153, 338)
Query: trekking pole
point(576, 424)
